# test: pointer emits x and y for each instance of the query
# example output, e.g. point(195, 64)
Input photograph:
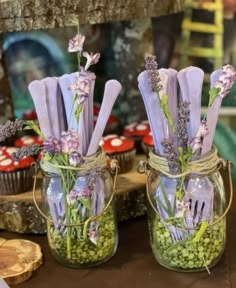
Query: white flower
point(91, 59)
point(181, 208)
point(93, 237)
point(76, 43)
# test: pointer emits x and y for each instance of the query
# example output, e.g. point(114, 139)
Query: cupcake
point(28, 140)
point(137, 131)
point(15, 176)
point(147, 143)
point(120, 148)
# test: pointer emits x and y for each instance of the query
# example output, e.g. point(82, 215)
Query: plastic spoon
point(194, 78)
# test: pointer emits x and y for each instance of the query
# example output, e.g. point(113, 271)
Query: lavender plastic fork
point(153, 110)
point(199, 192)
point(155, 117)
point(112, 90)
point(212, 115)
point(38, 93)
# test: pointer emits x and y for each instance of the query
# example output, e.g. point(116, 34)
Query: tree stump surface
point(19, 214)
point(19, 258)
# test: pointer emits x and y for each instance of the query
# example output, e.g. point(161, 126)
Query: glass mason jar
point(186, 218)
point(81, 221)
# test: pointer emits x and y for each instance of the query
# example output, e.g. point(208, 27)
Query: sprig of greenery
point(166, 111)
point(31, 125)
point(213, 93)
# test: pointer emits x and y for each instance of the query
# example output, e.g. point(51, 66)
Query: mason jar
point(81, 220)
point(186, 215)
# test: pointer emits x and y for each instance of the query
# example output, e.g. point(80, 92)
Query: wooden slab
point(19, 214)
point(19, 258)
point(25, 15)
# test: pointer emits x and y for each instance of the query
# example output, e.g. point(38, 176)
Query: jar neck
point(95, 161)
point(204, 165)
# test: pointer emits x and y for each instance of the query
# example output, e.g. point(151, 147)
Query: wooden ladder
point(189, 26)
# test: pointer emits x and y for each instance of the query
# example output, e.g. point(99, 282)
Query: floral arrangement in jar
point(184, 186)
point(77, 185)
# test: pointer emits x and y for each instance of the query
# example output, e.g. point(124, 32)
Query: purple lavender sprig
point(10, 128)
point(153, 74)
point(171, 157)
point(26, 151)
point(182, 129)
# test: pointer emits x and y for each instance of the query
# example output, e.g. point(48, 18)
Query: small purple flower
point(153, 74)
point(76, 43)
point(226, 80)
point(69, 141)
point(81, 88)
point(182, 124)
point(10, 128)
point(171, 156)
point(197, 141)
point(85, 193)
point(52, 145)
point(91, 59)
point(93, 237)
point(230, 72)
point(25, 152)
point(72, 197)
point(75, 159)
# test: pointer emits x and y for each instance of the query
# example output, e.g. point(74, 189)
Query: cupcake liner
point(18, 181)
point(146, 149)
point(125, 160)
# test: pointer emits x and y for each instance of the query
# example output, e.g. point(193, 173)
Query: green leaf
point(200, 232)
point(85, 202)
point(166, 111)
point(75, 97)
point(167, 202)
point(47, 157)
point(31, 125)
point(213, 93)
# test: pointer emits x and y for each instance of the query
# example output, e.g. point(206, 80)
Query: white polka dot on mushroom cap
point(101, 143)
point(11, 150)
point(16, 163)
point(116, 142)
point(111, 136)
point(141, 127)
point(131, 126)
point(2, 157)
point(27, 140)
point(6, 162)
